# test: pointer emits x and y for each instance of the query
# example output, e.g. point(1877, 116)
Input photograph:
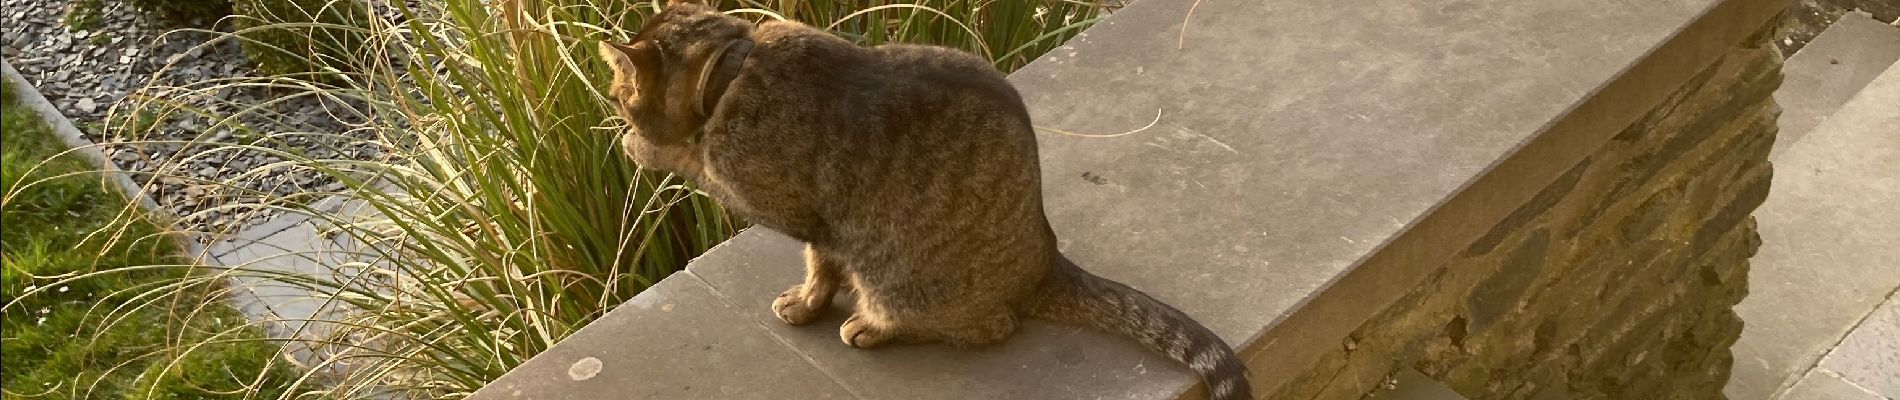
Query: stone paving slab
point(1829, 71)
point(1821, 385)
point(1827, 257)
point(1043, 361)
point(297, 249)
point(332, 207)
point(1870, 357)
point(220, 247)
point(677, 340)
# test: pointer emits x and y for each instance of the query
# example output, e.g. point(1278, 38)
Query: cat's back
point(901, 90)
point(797, 54)
point(936, 69)
point(791, 56)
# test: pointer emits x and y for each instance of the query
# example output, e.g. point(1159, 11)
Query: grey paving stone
point(292, 250)
point(1870, 357)
point(1820, 385)
point(294, 244)
point(287, 310)
point(1044, 361)
point(677, 340)
point(1830, 70)
point(332, 207)
point(1827, 257)
point(255, 233)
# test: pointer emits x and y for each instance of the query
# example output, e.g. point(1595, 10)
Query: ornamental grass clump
point(495, 215)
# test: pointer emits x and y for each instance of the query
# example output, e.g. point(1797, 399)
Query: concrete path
point(1822, 320)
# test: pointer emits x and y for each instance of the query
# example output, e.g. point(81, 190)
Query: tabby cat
point(910, 172)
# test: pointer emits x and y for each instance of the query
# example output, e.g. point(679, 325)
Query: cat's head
point(662, 77)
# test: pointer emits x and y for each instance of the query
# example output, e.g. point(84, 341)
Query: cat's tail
point(1070, 294)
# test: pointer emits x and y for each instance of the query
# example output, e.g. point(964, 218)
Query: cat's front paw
point(795, 308)
point(858, 332)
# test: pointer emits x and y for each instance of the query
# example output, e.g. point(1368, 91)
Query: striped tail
point(1072, 295)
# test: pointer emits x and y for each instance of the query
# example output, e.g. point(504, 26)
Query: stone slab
point(297, 249)
point(1870, 357)
point(1830, 70)
point(255, 234)
point(1044, 361)
point(296, 244)
point(1290, 145)
point(331, 207)
point(1827, 257)
point(1821, 385)
point(677, 340)
point(1281, 161)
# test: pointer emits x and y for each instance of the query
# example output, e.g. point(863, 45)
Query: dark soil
point(1807, 18)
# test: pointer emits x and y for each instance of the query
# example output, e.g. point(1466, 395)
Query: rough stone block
point(1614, 281)
point(1500, 293)
point(1544, 199)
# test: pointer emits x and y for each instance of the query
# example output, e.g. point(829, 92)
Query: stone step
point(1827, 72)
point(1827, 258)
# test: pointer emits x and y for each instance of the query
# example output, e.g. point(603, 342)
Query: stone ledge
point(1310, 162)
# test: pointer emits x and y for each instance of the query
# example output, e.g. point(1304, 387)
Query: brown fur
point(910, 172)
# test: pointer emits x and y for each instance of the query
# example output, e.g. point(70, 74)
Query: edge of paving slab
point(70, 135)
point(1831, 70)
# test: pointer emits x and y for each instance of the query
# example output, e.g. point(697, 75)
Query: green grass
point(74, 325)
point(85, 15)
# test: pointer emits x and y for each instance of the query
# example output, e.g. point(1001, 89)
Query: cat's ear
point(616, 57)
point(629, 59)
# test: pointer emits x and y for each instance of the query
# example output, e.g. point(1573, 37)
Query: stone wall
point(1614, 282)
point(1288, 214)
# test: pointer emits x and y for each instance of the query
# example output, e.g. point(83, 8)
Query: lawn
point(113, 333)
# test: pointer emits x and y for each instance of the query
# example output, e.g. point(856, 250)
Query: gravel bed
point(85, 73)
